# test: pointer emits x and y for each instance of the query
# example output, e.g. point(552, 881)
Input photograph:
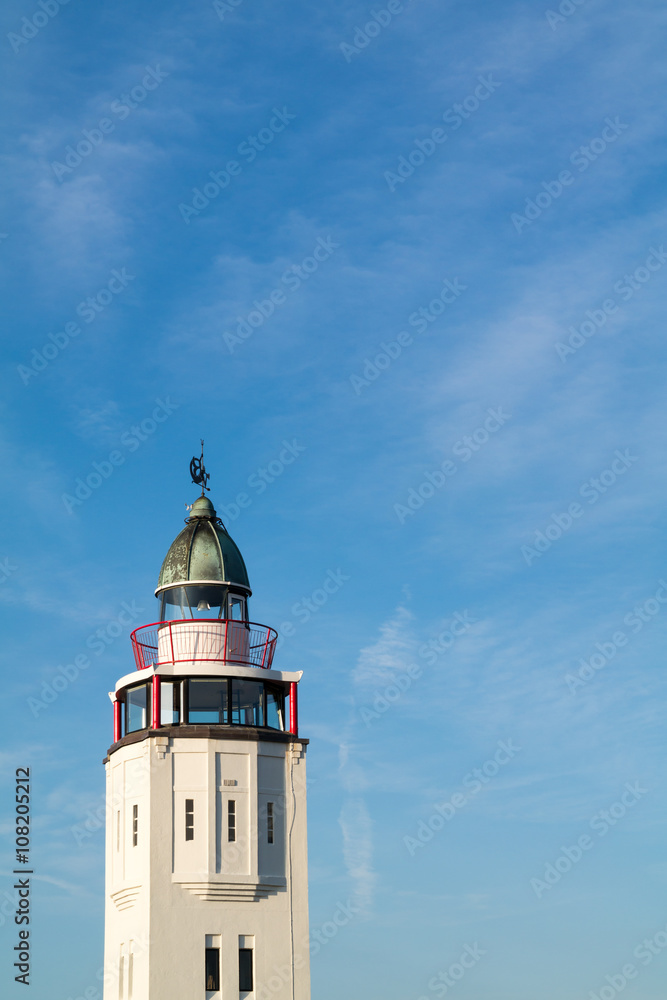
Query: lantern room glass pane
point(247, 703)
point(237, 608)
point(136, 709)
point(207, 702)
point(196, 601)
point(275, 708)
point(170, 703)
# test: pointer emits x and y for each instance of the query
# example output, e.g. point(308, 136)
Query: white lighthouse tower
point(206, 862)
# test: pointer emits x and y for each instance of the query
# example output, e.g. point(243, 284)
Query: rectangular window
point(135, 825)
point(237, 608)
point(189, 819)
point(269, 822)
point(247, 703)
point(170, 703)
point(231, 821)
point(212, 969)
point(275, 708)
point(207, 702)
point(136, 709)
point(245, 970)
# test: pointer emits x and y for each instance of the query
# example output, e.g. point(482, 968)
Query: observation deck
point(204, 640)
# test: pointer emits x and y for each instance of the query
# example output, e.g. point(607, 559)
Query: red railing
point(210, 640)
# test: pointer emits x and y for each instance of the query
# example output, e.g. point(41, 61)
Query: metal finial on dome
point(200, 476)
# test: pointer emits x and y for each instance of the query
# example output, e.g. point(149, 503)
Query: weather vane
point(200, 476)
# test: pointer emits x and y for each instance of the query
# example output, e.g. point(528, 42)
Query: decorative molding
point(126, 898)
point(230, 891)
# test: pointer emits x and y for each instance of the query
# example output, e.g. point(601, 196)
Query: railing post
point(171, 640)
point(156, 702)
point(225, 646)
point(293, 710)
point(116, 720)
point(266, 646)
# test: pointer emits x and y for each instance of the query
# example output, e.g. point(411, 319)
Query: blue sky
point(539, 539)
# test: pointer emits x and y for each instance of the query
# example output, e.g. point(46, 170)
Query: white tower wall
point(168, 898)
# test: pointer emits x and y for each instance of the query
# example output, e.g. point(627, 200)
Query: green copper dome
point(203, 552)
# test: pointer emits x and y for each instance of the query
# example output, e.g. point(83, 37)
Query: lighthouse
point(206, 862)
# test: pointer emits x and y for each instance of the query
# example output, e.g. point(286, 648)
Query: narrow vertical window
point(130, 970)
point(212, 969)
point(135, 825)
point(245, 970)
point(189, 819)
point(231, 821)
point(269, 822)
point(118, 829)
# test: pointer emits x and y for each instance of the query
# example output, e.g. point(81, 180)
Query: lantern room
point(199, 662)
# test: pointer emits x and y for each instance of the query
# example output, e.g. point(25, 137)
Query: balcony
point(204, 641)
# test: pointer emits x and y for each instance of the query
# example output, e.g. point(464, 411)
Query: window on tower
point(237, 608)
point(189, 819)
point(269, 822)
point(275, 708)
point(212, 969)
point(170, 703)
point(200, 601)
point(135, 825)
point(247, 702)
point(207, 701)
point(136, 708)
point(245, 970)
point(231, 821)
